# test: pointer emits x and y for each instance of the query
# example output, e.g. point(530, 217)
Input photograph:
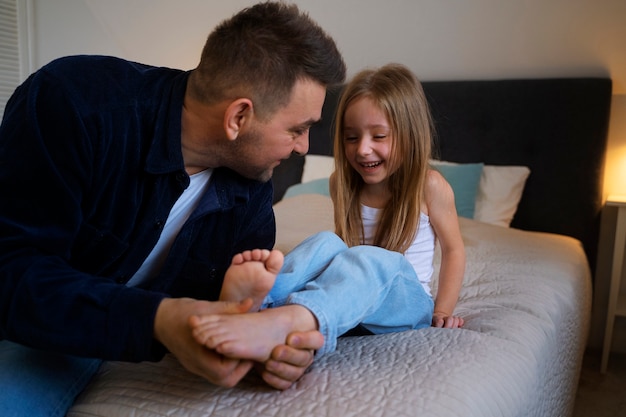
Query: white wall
point(438, 39)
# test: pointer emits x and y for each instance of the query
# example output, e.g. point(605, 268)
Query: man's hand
point(173, 330)
point(289, 362)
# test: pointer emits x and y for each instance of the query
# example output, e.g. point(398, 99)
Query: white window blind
point(9, 50)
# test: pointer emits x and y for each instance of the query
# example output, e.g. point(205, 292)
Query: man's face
point(261, 146)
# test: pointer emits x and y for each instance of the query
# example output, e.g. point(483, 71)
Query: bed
point(531, 154)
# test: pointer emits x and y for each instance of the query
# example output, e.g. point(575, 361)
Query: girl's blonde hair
point(399, 95)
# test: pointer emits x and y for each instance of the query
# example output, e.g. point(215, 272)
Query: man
point(127, 189)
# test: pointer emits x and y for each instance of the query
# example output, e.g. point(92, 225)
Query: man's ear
point(237, 114)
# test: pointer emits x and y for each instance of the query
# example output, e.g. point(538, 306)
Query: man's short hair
point(260, 53)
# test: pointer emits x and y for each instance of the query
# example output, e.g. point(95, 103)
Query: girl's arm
point(439, 199)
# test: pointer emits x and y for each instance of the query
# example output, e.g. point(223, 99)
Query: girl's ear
point(237, 114)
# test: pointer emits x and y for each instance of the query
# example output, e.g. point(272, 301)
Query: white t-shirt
point(180, 212)
point(421, 252)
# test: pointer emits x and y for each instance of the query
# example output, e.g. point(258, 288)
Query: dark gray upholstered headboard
point(556, 127)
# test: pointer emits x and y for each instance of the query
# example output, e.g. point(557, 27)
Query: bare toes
point(238, 259)
point(260, 254)
point(274, 261)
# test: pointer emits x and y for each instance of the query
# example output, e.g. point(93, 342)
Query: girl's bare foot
point(251, 275)
point(251, 335)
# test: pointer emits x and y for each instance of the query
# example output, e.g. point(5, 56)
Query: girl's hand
point(447, 322)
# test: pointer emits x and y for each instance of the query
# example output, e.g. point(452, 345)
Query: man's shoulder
point(100, 65)
point(105, 81)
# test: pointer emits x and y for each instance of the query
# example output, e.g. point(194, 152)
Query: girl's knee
point(327, 235)
point(327, 238)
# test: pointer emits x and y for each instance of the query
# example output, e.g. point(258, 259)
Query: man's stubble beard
point(245, 148)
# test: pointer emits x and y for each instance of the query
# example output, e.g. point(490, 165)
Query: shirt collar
point(165, 153)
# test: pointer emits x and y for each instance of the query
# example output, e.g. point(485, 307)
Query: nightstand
point(617, 301)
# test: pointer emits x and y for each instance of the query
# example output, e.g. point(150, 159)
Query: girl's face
point(367, 140)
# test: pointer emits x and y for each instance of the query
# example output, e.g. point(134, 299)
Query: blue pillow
point(319, 186)
point(464, 180)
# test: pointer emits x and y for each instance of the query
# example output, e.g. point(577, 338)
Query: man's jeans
point(37, 383)
point(344, 287)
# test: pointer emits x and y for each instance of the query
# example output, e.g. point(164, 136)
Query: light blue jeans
point(37, 383)
point(344, 287)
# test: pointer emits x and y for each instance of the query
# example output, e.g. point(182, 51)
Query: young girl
point(390, 209)
point(383, 191)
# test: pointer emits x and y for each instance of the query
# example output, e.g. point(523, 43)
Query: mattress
point(526, 301)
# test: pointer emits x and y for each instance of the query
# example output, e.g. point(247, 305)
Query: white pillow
point(317, 166)
point(499, 192)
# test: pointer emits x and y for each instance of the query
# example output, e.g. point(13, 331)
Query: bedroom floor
point(602, 395)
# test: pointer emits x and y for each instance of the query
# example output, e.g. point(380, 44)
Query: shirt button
point(158, 224)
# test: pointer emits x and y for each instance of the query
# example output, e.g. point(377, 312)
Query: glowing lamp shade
point(615, 171)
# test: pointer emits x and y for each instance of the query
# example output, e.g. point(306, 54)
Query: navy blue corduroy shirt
point(90, 166)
